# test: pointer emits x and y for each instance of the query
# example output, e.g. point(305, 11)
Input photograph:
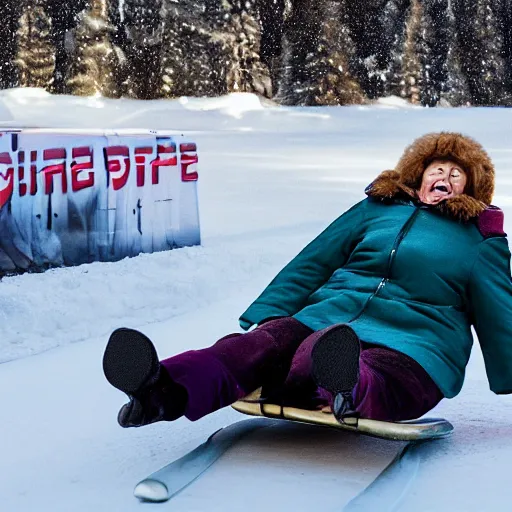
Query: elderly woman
point(374, 316)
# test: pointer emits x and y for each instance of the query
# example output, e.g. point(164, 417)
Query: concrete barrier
point(69, 197)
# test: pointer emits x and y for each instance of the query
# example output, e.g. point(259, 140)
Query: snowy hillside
point(270, 180)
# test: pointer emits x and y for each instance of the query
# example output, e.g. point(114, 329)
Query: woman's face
point(442, 180)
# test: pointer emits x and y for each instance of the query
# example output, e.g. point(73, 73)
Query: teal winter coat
point(406, 276)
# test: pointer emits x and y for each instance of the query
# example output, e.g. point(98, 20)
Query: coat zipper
point(391, 259)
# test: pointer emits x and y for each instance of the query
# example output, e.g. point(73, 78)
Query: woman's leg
point(393, 387)
point(236, 365)
point(198, 382)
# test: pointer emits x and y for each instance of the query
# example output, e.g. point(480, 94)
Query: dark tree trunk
point(302, 37)
point(371, 57)
point(64, 16)
point(505, 26)
point(144, 32)
point(437, 40)
point(482, 47)
point(9, 15)
point(272, 30)
point(393, 40)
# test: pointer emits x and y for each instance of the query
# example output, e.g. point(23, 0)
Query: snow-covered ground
point(270, 180)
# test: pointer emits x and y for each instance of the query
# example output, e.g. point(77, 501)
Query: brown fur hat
point(466, 152)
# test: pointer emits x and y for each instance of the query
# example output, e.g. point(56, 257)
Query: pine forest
point(294, 52)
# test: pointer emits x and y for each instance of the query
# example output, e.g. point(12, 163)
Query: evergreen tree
point(489, 86)
point(118, 38)
point(192, 62)
point(272, 14)
point(9, 14)
point(481, 53)
point(393, 40)
point(316, 70)
point(211, 49)
point(144, 35)
point(301, 40)
point(64, 16)
point(95, 60)
point(35, 58)
point(455, 91)
point(330, 80)
point(247, 72)
point(222, 55)
point(371, 56)
point(504, 15)
point(425, 51)
point(118, 35)
point(436, 31)
point(411, 75)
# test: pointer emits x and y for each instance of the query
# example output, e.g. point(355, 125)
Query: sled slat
point(429, 428)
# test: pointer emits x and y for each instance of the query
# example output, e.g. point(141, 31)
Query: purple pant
point(391, 386)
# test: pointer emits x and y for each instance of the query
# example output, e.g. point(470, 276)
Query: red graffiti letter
point(33, 173)
point(188, 157)
point(6, 178)
point(140, 160)
point(118, 168)
point(22, 187)
point(51, 170)
point(77, 168)
point(165, 156)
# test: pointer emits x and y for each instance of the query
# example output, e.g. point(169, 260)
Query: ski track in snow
point(270, 180)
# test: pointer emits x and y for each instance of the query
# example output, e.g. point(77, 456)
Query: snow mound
point(395, 102)
point(20, 93)
point(234, 104)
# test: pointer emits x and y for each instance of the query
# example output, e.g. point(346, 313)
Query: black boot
point(131, 364)
point(335, 367)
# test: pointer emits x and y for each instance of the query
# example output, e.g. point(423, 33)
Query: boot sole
point(335, 360)
point(130, 360)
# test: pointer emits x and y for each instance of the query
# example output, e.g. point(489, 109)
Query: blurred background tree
point(9, 14)
point(35, 52)
point(95, 60)
point(296, 52)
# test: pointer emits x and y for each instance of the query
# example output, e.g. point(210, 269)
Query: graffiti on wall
point(71, 198)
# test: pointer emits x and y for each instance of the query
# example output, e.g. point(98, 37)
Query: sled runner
point(167, 482)
point(413, 430)
point(170, 480)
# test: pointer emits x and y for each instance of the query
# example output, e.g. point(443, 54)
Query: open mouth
point(440, 188)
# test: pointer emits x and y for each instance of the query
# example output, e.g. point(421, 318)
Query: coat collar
point(388, 187)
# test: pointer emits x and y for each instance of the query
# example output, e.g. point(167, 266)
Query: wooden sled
point(413, 430)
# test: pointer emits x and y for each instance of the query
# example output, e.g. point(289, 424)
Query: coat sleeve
point(288, 293)
point(490, 290)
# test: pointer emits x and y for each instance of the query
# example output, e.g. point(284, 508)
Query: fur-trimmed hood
point(405, 179)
